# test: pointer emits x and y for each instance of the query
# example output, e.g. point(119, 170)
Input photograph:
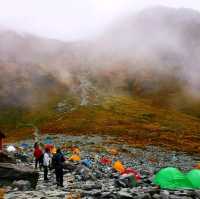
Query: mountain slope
point(148, 61)
point(154, 51)
point(132, 120)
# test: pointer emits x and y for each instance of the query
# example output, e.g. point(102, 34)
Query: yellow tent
point(118, 166)
point(75, 158)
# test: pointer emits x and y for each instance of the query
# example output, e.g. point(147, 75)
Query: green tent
point(68, 154)
point(194, 177)
point(172, 178)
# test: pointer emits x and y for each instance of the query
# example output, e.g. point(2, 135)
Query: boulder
point(22, 185)
point(85, 173)
point(11, 172)
point(124, 195)
point(197, 194)
point(69, 166)
point(91, 185)
point(6, 158)
point(165, 194)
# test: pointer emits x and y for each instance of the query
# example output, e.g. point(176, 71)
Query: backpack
point(58, 161)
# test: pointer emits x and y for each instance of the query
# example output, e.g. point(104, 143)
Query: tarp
point(134, 172)
point(105, 161)
point(11, 148)
point(194, 177)
point(118, 166)
point(24, 145)
point(172, 178)
point(129, 180)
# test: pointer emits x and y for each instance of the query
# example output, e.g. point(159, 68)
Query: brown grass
point(134, 121)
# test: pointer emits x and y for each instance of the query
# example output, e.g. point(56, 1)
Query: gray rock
point(164, 194)
point(156, 196)
point(143, 196)
point(91, 185)
point(85, 173)
point(106, 194)
point(95, 193)
point(70, 166)
point(6, 158)
point(10, 172)
point(197, 193)
point(124, 195)
point(22, 185)
point(175, 197)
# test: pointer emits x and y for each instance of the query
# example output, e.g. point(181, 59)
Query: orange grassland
point(131, 120)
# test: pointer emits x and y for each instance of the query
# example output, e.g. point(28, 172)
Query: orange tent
point(118, 166)
point(75, 158)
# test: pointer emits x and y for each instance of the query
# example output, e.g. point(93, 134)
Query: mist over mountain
point(161, 39)
point(155, 51)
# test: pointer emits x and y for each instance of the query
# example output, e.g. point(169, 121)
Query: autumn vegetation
point(131, 119)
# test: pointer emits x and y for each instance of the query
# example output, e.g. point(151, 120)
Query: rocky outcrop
point(22, 185)
point(11, 172)
point(5, 158)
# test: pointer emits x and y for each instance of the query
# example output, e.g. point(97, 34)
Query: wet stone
point(124, 195)
point(164, 194)
point(156, 196)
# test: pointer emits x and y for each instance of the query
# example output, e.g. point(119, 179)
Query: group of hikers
point(49, 161)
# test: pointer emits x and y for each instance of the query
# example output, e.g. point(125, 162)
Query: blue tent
point(24, 145)
point(87, 163)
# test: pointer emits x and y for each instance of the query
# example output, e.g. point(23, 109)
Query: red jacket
point(37, 153)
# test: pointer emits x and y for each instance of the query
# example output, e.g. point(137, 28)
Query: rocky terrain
point(102, 181)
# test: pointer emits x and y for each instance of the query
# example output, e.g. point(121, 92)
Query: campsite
point(96, 169)
point(99, 99)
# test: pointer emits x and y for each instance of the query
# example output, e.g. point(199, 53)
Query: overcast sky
point(73, 19)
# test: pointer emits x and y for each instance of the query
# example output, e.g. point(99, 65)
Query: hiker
point(46, 163)
point(58, 161)
point(38, 154)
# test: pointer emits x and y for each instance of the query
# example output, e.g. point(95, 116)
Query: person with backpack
point(38, 154)
point(58, 163)
point(46, 163)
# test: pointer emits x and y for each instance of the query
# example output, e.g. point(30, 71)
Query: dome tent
point(172, 178)
point(10, 148)
point(75, 158)
point(194, 177)
point(118, 166)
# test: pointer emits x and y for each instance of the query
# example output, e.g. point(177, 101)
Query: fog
point(116, 44)
point(73, 19)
